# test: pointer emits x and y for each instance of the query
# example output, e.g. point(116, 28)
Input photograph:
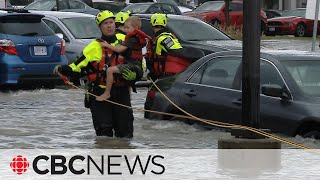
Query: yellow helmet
point(158, 19)
point(121, 17)
point(103, 15)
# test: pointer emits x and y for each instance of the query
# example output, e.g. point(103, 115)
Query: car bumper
point(14, 71)
point(280, 30)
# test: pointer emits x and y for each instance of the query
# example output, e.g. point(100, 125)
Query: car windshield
point(136, 8)
point(187, 29)
point(306, 74)
point(168, 1)
point(82, 27)
point(41, 5)
point(296, 12)
point(209, 6)
point(24, 26)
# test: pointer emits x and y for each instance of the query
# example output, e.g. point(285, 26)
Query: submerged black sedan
point(194, 34)
point(211, 88)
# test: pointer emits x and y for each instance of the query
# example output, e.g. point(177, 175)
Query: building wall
point(283, 4)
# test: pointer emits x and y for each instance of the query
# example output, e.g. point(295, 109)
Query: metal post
point(315, 26)
point(227, 8)
point(251, 64)
point(58, 5)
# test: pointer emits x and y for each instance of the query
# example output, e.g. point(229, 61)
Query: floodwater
point(56, 118)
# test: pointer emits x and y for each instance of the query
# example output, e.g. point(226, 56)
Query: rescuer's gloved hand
point(129, 75)
point(56, 69)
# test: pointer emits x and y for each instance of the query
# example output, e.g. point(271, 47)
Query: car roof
point(149, 3)
point(62, 15)
point(108, 2)
point(277, 54)
point(170, 16)
point(17, 13)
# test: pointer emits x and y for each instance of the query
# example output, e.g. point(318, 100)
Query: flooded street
point(57, 119)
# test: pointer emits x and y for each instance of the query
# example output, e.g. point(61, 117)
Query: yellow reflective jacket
point(92, 52)
point(166, 41)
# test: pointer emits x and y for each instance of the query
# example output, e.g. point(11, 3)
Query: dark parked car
point(211, 88)
point(292, 22)
point(29, 50)
point(63, 5)
point(112, 6)
point(194, 33)
point(152, 7)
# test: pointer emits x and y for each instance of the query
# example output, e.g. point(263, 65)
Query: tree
point(227, 2)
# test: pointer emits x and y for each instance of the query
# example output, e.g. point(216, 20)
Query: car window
point(82, 27)
point(155, 8)
point(134, 8)
point(269, 74)
point(306, 74)
point(218, 72)
point(168, 9)
point(41, 5)
point(209, 6)
point(76, 5)
point(24, 26)
point(196, 77)
point(62, 5)
point(111, 7)
point(185, 29)
point(140, 1)
point(147, 28)
point(56, 29)
point(235, 7)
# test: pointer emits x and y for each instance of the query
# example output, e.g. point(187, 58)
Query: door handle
point(237, 102)
point(191, 93)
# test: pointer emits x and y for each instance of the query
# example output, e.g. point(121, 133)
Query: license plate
point(272, 29)
point(40, 50)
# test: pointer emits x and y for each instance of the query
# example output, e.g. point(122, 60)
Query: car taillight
point(63, 46)
point(7, 46)
point(151, 94)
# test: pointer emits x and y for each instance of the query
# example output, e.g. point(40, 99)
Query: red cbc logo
point(19, 164)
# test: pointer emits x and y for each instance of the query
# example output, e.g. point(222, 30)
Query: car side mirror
point(55, 8)
point(275, 90)
point(60, 35)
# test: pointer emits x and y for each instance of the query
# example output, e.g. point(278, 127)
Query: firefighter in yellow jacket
point(108, 119)
point(164, 52)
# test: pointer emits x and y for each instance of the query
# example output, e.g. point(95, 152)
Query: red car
point(293, 22)
point(213, 12)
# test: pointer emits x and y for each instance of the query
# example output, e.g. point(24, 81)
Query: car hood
point(223, 44)
point(195, 14)
point(285, 19)
point(83, 41)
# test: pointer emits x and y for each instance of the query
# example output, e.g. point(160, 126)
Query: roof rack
point(11, 10)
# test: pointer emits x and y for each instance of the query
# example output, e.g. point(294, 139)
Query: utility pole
point(246, 139)
point(58, 5)
point(315, 26)
point(250, 69)
point(227, 2)
point(251, 64)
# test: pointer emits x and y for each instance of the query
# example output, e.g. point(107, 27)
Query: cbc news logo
point(79, 164)
point(19, 164)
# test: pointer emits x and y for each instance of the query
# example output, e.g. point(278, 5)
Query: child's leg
point(110, 71)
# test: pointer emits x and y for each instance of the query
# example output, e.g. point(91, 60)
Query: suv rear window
point(24, 26)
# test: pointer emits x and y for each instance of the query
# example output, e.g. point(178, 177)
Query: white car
point(78, 30)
